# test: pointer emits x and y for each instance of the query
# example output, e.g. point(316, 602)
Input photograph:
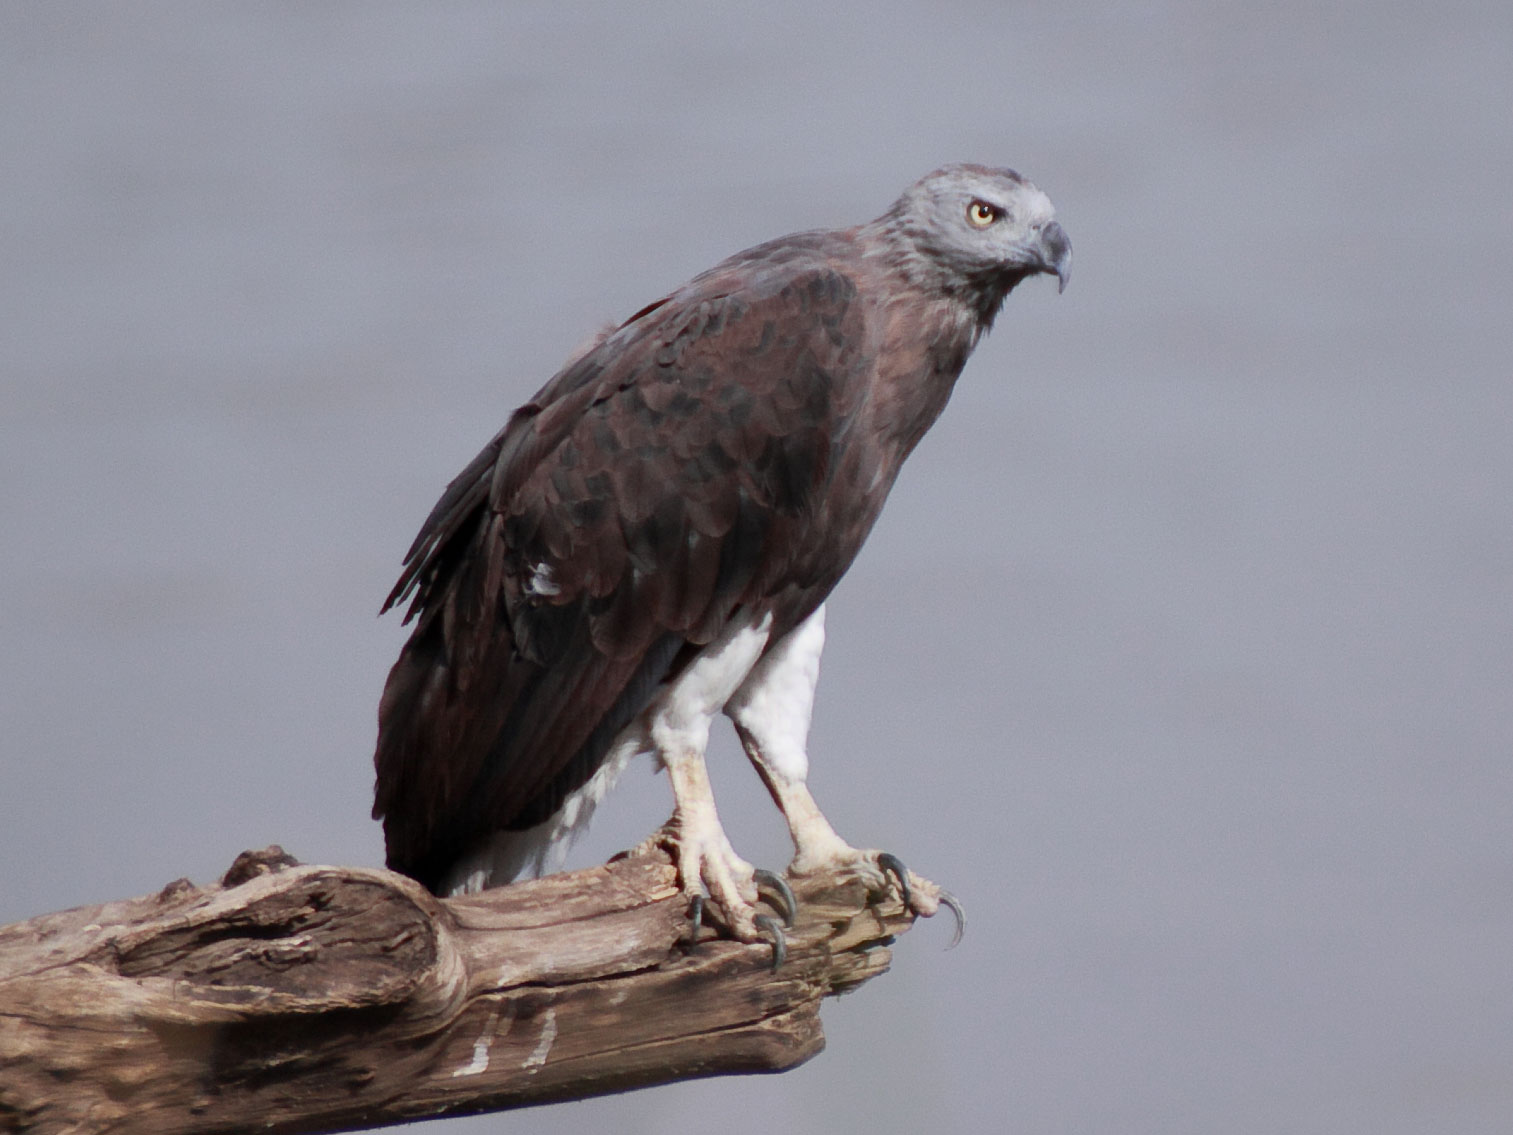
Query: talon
point(892, 864)
point(952, 903)
point(790, 905)
point(695, 920)
point(779, 941)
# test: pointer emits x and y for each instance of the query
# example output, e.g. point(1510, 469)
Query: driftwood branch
point(302, 999)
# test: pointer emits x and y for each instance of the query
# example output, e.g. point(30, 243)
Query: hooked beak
point(1056, 254)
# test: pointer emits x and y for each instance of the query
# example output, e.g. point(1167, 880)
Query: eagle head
point(975, 232)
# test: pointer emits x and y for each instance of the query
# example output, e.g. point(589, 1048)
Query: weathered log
point(294, 998)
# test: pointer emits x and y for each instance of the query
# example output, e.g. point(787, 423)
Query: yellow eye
point(981, 214)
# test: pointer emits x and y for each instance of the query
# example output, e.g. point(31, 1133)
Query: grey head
point(975, 232)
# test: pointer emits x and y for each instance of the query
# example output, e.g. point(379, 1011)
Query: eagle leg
point(771, 711)
point(819, 850)
point(708, 866)
point(712, 875)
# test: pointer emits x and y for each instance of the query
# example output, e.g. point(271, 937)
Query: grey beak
point(1056, 254)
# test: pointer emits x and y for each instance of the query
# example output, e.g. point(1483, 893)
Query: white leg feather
point(770, 698)
point(772, 710)
point(541, 850)
point(675, 727)
point(678, 726)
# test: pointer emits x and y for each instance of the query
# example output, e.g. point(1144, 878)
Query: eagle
point(649, 542)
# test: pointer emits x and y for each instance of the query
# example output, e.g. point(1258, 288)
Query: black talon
point(695, 920)
point(779, 884)
point(953, 904)
point(893, 864)
point(779, 941)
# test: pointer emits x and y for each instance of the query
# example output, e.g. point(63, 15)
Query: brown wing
point(654, 487)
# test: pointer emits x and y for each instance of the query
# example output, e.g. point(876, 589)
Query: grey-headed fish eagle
point(649, 542)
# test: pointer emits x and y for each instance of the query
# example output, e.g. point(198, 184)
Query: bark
point(295, 998)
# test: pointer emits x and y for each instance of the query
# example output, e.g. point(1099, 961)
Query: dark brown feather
point(714, 454)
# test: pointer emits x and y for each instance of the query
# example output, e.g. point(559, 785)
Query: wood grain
point(294, 998)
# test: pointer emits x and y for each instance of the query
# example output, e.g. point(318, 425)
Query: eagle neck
point(926, 342)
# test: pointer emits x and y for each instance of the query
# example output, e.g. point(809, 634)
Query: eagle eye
point(980, 214)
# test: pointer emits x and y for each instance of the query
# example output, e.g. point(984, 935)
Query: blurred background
point(1182, 652)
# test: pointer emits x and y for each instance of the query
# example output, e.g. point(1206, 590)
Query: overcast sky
point(1182, 652)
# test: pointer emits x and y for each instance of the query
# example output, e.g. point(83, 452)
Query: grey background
point(1182, 651)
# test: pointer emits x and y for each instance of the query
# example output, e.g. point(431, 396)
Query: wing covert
point(656, 485)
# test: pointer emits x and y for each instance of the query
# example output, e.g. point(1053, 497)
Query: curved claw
point(777, 883)
point(953, 904)
point(695, 920)
point(893, 865)
point(779, 940)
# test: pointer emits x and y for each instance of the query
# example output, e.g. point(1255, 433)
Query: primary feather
point(718, 458)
